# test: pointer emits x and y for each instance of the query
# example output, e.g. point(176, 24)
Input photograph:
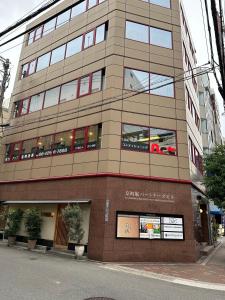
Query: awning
point(215, 210)
point(45, 201)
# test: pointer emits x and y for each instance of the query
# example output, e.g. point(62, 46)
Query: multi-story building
point(210, 116)
point(102, 117)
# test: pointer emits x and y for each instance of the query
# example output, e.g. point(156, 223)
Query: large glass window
point(136, 80)
point(164, 3)
point(100, 34)
point(43, 61)
point(79, 143)
point(25, 105)
point(84, 85)
point(135, 137)
point(16, 151)
point(49, 26)
point(160, 37)
point(32, 66)
point(74, 46)
point(36, 102)
point(44, 147)
point(63, 18)
point(29, 149)
point(69, 91)
point(91, 3)
point(161, 85)
point(137, 32)
point(58, 54)
point(63, 142)
point(79, 9)
point(96, 82)
point(163, 141)
point(94, 136)
point(52, 97)
point(89, 39)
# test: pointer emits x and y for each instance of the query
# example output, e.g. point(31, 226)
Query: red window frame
point(72, 150)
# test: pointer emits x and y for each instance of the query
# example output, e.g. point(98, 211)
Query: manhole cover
point(99, 298)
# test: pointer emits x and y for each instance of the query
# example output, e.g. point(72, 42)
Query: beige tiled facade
point(111, 107)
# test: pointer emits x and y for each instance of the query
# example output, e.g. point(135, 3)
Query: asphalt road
point(33, 276)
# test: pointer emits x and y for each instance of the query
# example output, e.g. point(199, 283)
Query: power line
point(204, 25)
point(127, 93)
point(29, 17)
point(91, 106)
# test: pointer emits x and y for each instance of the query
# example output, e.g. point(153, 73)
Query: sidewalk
point(211, 270)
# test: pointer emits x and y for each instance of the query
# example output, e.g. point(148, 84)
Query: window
point(137, 32)
point(79, 143)
point(84, 86)
point(69, 91)
point(16, 110)
point(44, 147)
point(58, 54)
point(31, 37)
point(163, 141)
point(161, 85)
point(91, 3)
point(136, 80)
point(36, 102)
point(89, 39)
point(49, 26)
point(52, 97)
point(29, 149)
point(94, 136)
point(62, 142)
point(100, 34)
point(38, 33)
point(24, 70)
point(164, 3)
point(96, 82)
point(63, 18)
point(16, 151)
point(25, 105)
point(74, 46)
point(78, 9)
point(160, 37)
point(32, 66)
point(8, 150)
point(135, 137)
point(43, 61)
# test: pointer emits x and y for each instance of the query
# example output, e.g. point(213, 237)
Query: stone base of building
point(103, 200)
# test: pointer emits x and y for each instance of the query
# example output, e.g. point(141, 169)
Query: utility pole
point(5, 80)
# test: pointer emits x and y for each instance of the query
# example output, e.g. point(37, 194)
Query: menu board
point(154, 226)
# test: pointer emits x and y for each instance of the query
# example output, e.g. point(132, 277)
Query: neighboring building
point(85, 129)
point(210, 116)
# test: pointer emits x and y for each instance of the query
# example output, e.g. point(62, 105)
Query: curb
point(171, 279)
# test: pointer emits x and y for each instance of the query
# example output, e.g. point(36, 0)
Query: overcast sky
point(19, 8)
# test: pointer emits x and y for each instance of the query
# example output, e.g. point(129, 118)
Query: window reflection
point(52, 97)
point(136, 80)
point(164, 3)
point(49, 26)
point(44, 146)
point(89, 39)
point(161, 85)
point(137, 32)
point(160, 37)
point(58, 54)
point(69, 91)
point(25, 104)
point(63, 142)
point(63, 18)
point(29, 149)
point(84, 85)
point(100, 34)
point(36, 102)
point(94, 136)
point(74, 46)
point(162, 141)
point(135, 137)
point(79, 143)
point(43, 61)
point(78, 9)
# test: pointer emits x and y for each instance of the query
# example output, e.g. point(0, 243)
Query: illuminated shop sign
point(151, 227)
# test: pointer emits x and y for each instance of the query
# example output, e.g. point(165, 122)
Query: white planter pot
point(79, 250)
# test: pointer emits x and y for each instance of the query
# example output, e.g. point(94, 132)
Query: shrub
point(32, 222)
point(14, 218)
point(72, 216)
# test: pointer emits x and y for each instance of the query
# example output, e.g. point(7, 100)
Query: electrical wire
point(125, 94)
point(204, 25)
point(103, 104)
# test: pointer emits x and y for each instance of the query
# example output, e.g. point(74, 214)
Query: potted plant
point(32, 222)
point(72, 216)
point(14, 218)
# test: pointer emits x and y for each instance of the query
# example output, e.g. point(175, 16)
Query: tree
point(214, 178)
